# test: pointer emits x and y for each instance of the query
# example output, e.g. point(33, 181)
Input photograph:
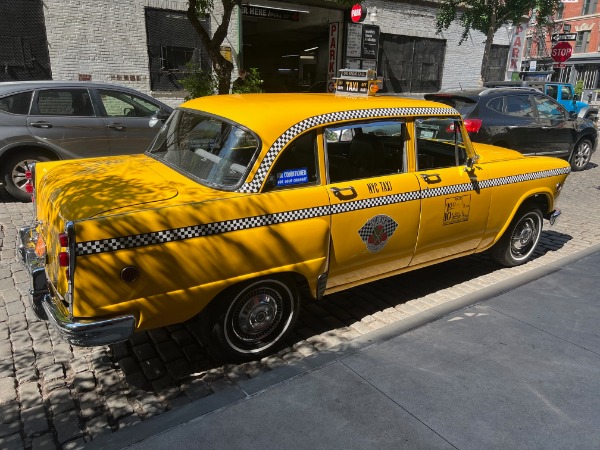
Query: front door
point(375, 203)
point(455, 204)
point(557, 132)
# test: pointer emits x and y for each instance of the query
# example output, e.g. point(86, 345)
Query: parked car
point(246, 201)
point(563, 93)
point(523, 119)
point(52, 120)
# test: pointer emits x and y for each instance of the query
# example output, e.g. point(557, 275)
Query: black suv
point(523, 119)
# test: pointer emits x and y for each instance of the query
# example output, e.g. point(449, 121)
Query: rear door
point(375, 202)
point(521, 124)
point(127, 121)
point(65, 119)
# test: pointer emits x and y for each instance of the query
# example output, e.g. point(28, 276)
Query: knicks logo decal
point(377, 231)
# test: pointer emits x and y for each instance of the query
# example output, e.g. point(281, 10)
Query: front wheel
point(582, 153)
point(248, 321)
point(520, 239)
point(14, 171)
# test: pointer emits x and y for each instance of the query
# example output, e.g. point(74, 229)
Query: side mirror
point(575, 97)
point(471, 163)
point(158, 118)
point(572, 115)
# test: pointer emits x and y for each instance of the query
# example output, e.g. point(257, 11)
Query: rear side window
point(495, 104)
point(67, 102)
point(16, 103)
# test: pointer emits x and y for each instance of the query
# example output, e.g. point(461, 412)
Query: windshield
point(207, 148)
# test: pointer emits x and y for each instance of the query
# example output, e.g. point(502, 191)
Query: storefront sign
point(354, 40)
point(370, 42)
point(358, 13)
point(333, 55)
point(516, 51)
point(225, 52)
point(270, 13)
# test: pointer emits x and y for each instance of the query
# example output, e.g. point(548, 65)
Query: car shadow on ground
point(172, 363)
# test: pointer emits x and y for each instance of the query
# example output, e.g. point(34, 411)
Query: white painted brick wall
point(107, 40)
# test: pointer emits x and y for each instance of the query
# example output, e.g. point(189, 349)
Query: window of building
point(582, 42)
point(589, 7)
point(172, 44)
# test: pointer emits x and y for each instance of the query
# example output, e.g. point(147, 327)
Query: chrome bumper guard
point(80, 332)
point(553, 216)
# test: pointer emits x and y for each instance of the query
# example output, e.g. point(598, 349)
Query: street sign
point(556, 37)
point(561, 52)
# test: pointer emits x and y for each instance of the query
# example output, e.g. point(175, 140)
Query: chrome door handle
point(338, 192)
point(117, 126)
point(431, 177)
point(41, 124)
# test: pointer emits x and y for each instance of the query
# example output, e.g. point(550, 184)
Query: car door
point(65, 119)
point(375, 204)
point(522, 125)
point(127, 120)
point(557, 134)
point(454, 202)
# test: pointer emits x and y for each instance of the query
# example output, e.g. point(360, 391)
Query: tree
point(488, 16)
point(198, 9)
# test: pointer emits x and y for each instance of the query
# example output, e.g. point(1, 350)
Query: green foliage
point(252, 84)
point(488, 16)
point(579, 88)
point(198, 83)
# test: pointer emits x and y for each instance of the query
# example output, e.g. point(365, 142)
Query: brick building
point(582, 19)
point(145, 44)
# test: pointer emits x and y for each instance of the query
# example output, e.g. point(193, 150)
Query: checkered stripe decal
point(255, 184)
point(373, 202)
point(178, 234)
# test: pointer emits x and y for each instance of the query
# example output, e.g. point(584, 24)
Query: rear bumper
point(80, 332)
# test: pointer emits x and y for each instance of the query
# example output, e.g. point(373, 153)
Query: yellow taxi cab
point(243, 202)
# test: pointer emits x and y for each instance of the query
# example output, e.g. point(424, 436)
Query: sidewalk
point(515, 366)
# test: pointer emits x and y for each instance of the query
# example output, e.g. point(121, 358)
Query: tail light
point(29, 182)
point(473, 125)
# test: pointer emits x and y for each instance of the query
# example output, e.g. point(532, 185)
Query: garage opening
point(288, 44)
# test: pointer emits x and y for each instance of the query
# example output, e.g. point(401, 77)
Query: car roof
point(472, 94)
point(270, 115)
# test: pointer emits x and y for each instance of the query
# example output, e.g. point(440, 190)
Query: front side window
point(364, 150)
point(64, 102)
point(214, 152)
point(566, 93)
point(439, 143)
point(121, 104)
point(297, 164)
point(16, 103)
point(547, 109)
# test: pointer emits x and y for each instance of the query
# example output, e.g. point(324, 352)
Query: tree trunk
point(221, 66)
point(489, 40)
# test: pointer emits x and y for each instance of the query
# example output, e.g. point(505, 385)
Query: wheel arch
point(9, 151)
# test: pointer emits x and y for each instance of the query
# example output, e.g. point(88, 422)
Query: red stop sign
point(561, 51)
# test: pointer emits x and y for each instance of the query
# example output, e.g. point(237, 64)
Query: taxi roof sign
point(357, 82)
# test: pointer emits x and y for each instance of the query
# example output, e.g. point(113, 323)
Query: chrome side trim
point(85, 332)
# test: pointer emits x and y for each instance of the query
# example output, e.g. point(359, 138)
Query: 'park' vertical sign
point(515, 55)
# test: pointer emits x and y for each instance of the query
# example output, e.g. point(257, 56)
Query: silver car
point(49, 120)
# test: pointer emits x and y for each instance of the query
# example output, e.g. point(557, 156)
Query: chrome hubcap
point(19, 171)
point(256, 315)
point(525, 237)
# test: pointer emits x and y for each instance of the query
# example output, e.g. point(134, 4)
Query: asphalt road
point(53, 395)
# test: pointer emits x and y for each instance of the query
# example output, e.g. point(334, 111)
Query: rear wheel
point(520, 239)
point(582, 153)
point(248, 321)
point(14, 171)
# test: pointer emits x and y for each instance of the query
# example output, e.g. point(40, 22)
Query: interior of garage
point(288, 43)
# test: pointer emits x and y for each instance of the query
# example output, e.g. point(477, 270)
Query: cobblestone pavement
point(53, 395)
